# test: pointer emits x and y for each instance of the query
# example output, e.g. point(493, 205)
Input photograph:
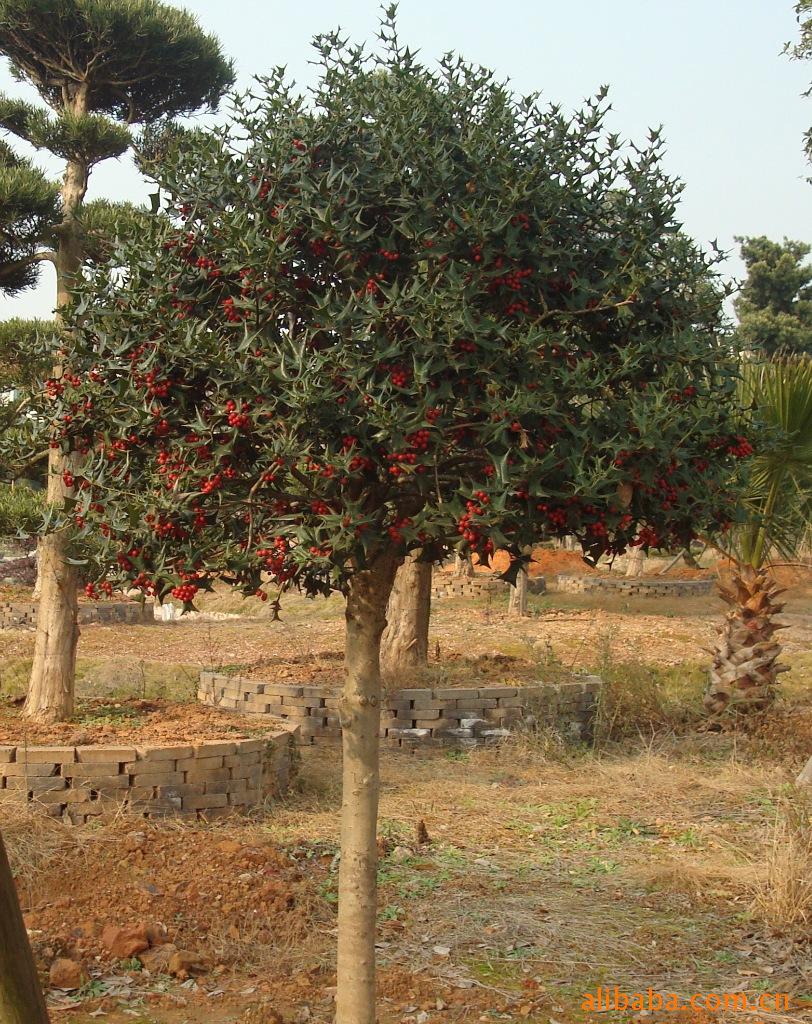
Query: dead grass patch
point(783, 894)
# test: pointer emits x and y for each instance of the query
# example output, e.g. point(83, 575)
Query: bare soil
point(133, 721)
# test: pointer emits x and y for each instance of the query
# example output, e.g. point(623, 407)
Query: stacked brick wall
point(416, 716)
point(24, 616)
point(634, 585)
point(209, 779)
point(466, 586)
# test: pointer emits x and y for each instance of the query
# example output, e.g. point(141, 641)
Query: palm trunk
point(51, 687)
point(745, 667)
point(21, 999)
point(405, 643)
point(360, 721)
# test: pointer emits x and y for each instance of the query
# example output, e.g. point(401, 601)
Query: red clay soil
point(129, 721)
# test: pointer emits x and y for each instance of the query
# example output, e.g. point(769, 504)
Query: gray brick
point(45, 755)
point(29, 770)
point(156, 753)
point(95, 755)
point(199, 764)
point(215, 748)
point(206, 800)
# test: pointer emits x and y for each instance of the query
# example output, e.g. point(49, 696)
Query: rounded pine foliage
point(142, 59)
point(409, 311)
point(28, 208)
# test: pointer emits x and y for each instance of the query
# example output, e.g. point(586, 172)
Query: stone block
point(215, 748)
point(409, 694)
point(161, 779)
point(17, 768)
point(212, 775)
point(198, 802)
point(37, 784)
point(199, 764)
point(45, 755)
point(282, 690)
point(456, 693)
point(89, 771)
point(156, 753)
point(105, 755)
point(7, 754)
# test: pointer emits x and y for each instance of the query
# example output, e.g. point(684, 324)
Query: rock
point(183, 964)
point(135, 841)
point(67, 974)
point(125, 942)
point(156, 933)
point(400, 854)
point(156, 960)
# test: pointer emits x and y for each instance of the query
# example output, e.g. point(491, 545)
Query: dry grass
point(783, 893)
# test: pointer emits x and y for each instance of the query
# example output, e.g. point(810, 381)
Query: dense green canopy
point(775, 303)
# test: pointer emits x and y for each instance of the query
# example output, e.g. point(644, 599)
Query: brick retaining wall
point(458, 715)
point(24, 616)
point(209, 779)
point(639, 586)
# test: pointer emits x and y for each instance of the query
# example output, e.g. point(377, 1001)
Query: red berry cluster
point(239, 420)
point(394, 530)
point(740, 447)
point(186, 592)
point(233, 315)
point(521, 220)
point(389, 254)
point(419, 440)
point(473, 507)
point(400, 376)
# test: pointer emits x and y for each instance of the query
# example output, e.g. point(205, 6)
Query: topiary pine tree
point(409, 311)
point(774, 305)
point(28, 211)
point(100, 66)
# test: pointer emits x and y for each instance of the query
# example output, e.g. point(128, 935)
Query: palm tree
point(776, 515)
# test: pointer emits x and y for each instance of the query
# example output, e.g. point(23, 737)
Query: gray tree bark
point(517, 605)
point(51, 687)
point(21, 998)
point(405, 643)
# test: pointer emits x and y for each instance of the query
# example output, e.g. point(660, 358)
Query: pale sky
point(709, 71)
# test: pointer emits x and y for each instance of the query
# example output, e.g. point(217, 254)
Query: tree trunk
point(517, 605)
point(21, 999)
point(635, 560)
point(360, 713)
point(745, 667)
point(51, 687)
point(405, 643)
point(463, 567)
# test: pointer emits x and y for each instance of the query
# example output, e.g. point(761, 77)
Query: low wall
point(208, 779)
point(444, 585)
point(639, 586)
point(416, 716)
point(24, 616)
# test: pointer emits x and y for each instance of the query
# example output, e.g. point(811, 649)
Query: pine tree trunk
point(745, 667)
point(517, 605)
point(51, 687)
point(21, 999)
point(405, 643)
point(360, 713)
point(635, 561)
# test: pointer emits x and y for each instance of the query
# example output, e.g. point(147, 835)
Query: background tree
point(774, 305)
point(776, 513)
point(29, 206)
point(802, 50)
point(409, 312)
point(100, 66)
